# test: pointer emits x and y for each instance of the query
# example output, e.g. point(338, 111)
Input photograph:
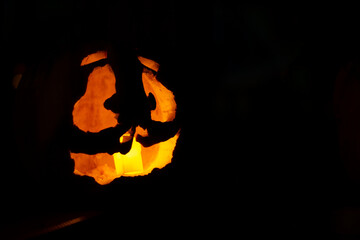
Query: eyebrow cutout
point(94, 57)
point(149, 63)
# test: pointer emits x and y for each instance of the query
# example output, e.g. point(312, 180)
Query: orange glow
point(141, 161)
point(94, 58)
point(149, 63)
point(165, 100)
point(90, 115)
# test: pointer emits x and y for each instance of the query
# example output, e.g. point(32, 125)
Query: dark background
point(268, 104)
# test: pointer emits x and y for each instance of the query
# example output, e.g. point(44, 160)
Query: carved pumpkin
point(138, 153)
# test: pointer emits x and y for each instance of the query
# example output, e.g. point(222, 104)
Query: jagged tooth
point(126, 137)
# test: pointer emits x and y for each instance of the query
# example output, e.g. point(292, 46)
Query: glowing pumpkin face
point(138, 153)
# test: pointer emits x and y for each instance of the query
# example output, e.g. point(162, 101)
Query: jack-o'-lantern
point(135, 152)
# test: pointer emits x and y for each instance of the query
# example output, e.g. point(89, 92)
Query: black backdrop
point(255, 84)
